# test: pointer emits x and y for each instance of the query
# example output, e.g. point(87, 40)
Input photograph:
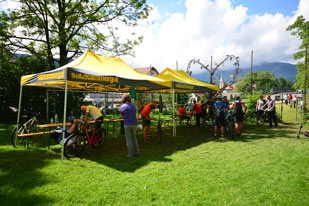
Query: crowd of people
point(213, 111)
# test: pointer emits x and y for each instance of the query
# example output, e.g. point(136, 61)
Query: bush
point(251, 104)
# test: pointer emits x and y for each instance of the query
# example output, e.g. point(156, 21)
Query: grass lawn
point(263, 167)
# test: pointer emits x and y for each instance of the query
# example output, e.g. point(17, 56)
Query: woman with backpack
point(238, 114)
point(220, 108)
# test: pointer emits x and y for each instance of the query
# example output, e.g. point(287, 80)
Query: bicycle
point(230, 125)
point(29, 126)
point(76, 142)
point(300, 132)
point(260, 119)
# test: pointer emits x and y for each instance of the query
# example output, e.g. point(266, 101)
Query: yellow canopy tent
point(92, 72)
point(183, 83)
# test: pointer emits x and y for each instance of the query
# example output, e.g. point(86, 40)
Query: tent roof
point(94, 72)
point(183, 81)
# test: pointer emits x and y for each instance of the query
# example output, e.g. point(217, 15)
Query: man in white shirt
point(271, 111)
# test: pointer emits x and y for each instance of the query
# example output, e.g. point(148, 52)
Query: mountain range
point(279, 69)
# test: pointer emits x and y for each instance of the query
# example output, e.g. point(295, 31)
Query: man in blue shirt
point(220, 108)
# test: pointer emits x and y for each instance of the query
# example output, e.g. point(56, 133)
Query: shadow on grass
point(113, 152)
point(284, 130)
point(19, 174)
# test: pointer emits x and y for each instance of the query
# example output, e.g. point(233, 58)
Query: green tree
point(11, 69)
point(64, 28)
point(284, 83)
point(263, 81)
point(300, 29)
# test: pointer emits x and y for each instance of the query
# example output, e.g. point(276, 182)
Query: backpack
point(238, 109)
point(220, 111)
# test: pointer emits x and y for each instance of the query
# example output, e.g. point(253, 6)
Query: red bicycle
point(76, 142)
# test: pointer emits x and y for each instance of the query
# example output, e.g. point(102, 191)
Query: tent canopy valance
point(93, 72)
point(185, 83)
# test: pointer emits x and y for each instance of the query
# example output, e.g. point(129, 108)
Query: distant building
point(229, 88)
point(148, 70)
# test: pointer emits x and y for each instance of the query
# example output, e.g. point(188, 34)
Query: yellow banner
point(58, 75)
point(80, 76)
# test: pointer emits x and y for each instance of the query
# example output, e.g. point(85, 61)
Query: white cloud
point(9, 4)
point(215, 28)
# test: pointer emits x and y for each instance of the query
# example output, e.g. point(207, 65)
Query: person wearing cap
point(128, 113)
point(146, 120)
point(94, 114)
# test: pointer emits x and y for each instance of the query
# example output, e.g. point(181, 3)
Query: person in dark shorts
point(220, 109)
point(204, 112)
point(210, 107)
point(146, 120)
point(238, 114)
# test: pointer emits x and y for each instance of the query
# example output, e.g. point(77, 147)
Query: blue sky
point(199, 29)
point(182, 30)
point(259, 7)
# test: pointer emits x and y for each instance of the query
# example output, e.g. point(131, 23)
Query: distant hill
point(285, 70)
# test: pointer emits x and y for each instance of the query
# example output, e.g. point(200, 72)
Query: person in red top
point(183, 113)
point(198, 113)
point(146, 120)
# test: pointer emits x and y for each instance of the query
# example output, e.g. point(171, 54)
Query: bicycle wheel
point(245, 121)
point(15, 140)
point(260, 121)
point(98, 138)
point(229, 129)
point(74, 145)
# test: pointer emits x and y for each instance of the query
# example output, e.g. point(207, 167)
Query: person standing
point(225, 102)
point(204, 112)
point(190, 105)
point(286, 99)
point(146, 120)
point(259, 105)
point(94, 113)
point(294, 100)
point(198, 112)
point(290, 100)
point(271, 111)
point(128, 113)
point(210, 107)
point(220, 116)
point(238, 114)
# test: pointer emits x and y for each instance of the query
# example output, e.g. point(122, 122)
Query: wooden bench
point(36, 134)
point(170, 119)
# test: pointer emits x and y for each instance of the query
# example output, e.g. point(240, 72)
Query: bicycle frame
point(90, 139)
point(27, 126)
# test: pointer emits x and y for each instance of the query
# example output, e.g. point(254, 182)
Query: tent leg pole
point(18, 111)
point(47, 105)
point(173, 107)
point(19, 104)
point(64, 117)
